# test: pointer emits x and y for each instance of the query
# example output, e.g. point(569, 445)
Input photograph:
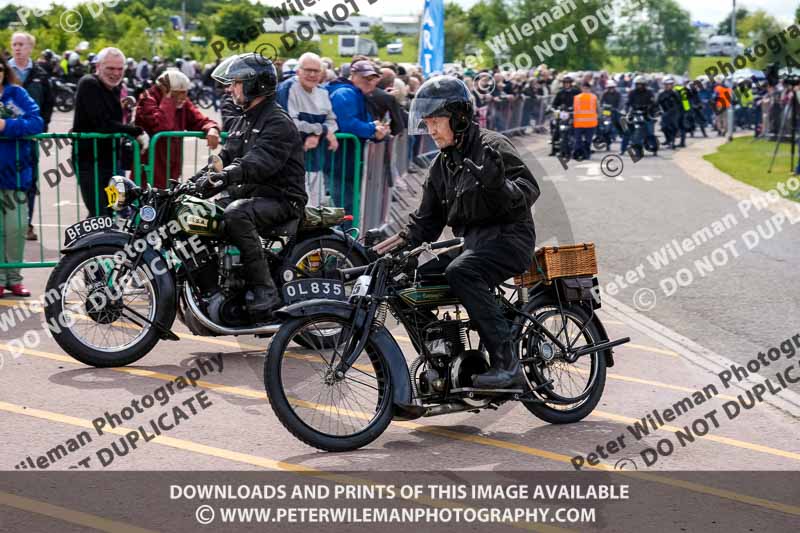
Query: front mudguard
point(163, 277)
point(381, 338)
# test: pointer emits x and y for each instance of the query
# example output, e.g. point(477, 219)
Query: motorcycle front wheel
point(94, 309)
point(335, 413)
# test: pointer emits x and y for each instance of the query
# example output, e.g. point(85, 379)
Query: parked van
point(723, 45)
point(351, 45)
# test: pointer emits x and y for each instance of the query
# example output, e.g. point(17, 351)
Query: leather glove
point(211, 183)
point(492, 172)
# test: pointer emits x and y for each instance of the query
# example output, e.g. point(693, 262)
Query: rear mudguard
point(359, 251)
point(383, 340)
point(548, 292)
point(165, 283)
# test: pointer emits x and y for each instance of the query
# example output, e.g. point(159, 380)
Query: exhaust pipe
point(270, 329)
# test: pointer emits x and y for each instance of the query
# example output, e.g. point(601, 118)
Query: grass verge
point(748, 161)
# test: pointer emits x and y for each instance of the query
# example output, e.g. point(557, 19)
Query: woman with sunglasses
point(19, 117)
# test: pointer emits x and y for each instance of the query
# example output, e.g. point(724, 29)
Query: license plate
point(86, 227)
point(312, 288)
point(606, 113)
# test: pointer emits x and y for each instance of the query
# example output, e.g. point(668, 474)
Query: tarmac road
point(678, 346)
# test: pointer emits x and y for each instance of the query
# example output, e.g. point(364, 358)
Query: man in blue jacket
point(350, 107)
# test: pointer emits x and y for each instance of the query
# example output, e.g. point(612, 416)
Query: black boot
point(506, 372)
point(262, 300)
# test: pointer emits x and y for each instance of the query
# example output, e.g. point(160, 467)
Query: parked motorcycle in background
point(64, 93)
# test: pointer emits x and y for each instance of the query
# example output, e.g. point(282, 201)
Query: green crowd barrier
point(343, 184)
point(54, 162)
point(62, 173)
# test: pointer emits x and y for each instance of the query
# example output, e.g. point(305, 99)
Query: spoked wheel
point(96, 314)
point(319, 259)
point(317, 404)
point(578, 383)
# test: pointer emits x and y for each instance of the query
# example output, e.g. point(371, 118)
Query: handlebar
point(445, 244)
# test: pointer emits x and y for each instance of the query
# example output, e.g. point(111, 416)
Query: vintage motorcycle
point(116, 291)
point(561, 133)
point(641, 140)
point(342, 394)
point(605, 129)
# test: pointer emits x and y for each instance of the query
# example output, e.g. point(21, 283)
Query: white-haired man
point(35, 80)
point(310, 108)
point(98, 110)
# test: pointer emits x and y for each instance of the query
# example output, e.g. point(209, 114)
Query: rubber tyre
point(558, 416)
point(65, 338)
point(280, 404)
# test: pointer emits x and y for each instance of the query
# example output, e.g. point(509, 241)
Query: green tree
point(457, 32)
point(758, 27)
point(656, 36)
point(235, 21)
point(724, 27)
point(489, 17)
point(8, 14)
point(380, 35)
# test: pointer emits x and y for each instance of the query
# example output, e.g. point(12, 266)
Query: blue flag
point(431, 40)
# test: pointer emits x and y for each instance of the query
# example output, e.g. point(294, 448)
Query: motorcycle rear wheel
point(565, 374)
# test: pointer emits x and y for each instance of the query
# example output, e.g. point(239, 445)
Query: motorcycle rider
point(563, 100)
point(478, 185)
point(264, 171)
point(641, 98)
point(613, 99)
point(670, 104)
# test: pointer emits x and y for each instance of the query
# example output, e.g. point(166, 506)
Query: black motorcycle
point(637, 121)
point(118, 288)
point(202, 95)
point(561, 133)
point(605, 129)
point(64, 94)
point(342, 394)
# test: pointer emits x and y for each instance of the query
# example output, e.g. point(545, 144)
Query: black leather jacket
point(264, 155)
point(454, 197)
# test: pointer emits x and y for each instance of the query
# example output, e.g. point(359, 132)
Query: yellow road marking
point(723, 440)
point(240, 457)
point(456, 435)
point(282, 465)
point(68, 515)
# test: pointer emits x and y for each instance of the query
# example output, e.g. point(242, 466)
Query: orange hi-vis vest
point(585, 107)
point(724, 97)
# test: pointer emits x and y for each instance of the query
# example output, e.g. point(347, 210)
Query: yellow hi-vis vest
point(585, 107)
point(684, 94)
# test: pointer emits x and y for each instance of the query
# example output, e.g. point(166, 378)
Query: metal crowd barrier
point(52, 159)
point(332, 178)
point(360, 177)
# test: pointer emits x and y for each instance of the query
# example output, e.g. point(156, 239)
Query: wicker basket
point(552, 262)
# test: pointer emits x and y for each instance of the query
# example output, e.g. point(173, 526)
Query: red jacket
point(154, 113)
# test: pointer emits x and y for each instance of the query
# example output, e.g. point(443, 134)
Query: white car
point(394, 48)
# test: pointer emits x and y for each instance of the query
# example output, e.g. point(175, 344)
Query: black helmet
point(256, 72)
point(48, 54)
point(441, 96)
